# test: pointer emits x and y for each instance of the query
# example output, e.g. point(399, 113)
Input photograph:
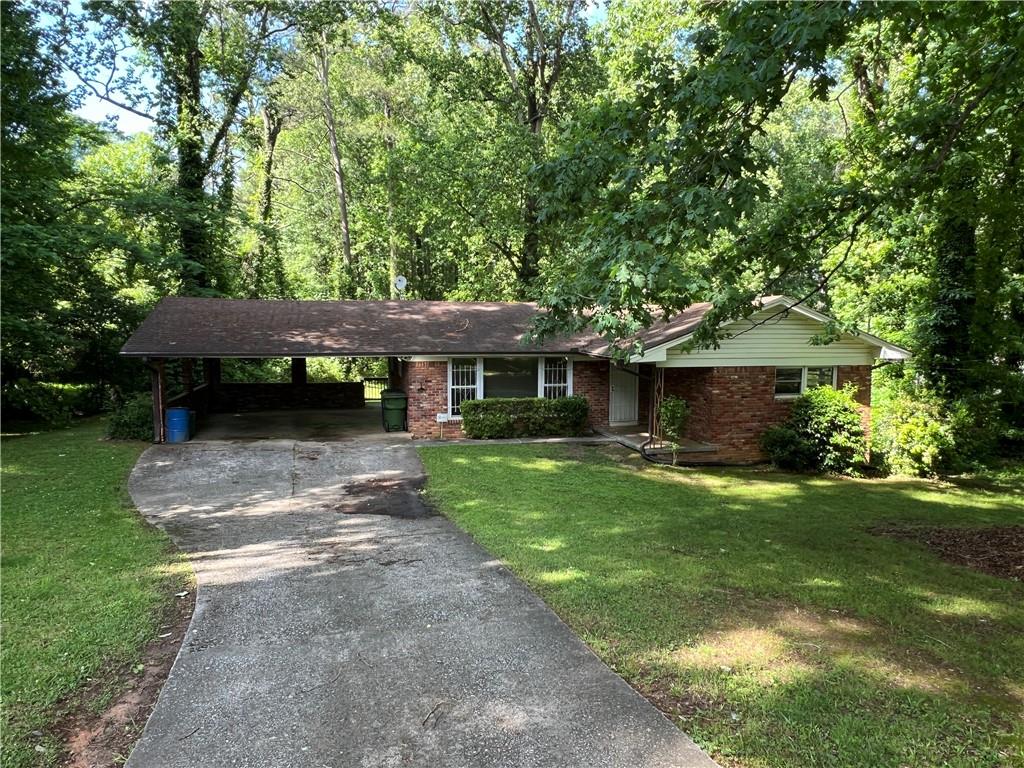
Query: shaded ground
point(336, 424)
point(755, 608)
point(998, 551)
point(339, 623)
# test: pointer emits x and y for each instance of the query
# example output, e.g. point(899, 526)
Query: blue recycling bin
point(178, 423)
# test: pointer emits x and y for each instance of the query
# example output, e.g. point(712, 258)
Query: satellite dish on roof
point(400, 283)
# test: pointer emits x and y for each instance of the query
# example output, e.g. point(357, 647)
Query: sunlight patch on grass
point(548, 545)
point(561, 576)
point(746, 647)
point(961, 606)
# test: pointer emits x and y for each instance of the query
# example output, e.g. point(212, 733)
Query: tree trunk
point(529, 258)
point(269, 269)
point(389, 143)
point(193, 232)
point(323, 75)
point(948, 355)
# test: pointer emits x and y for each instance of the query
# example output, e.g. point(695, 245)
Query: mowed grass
point(83, 581)
point(755, 607)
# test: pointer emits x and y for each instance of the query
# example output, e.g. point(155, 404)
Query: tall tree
point(204, 58)
point(262, 269)
point(321, 59)
point(528, 59)
point(664, 186)
point(35, 157)
point(85, 223)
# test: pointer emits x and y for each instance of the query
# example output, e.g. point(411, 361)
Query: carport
point(439, 352)
point(184, 341)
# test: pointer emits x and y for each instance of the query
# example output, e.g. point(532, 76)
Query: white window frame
point(479, 383)
point(480, 378)
point(540, 373)
point(803, 379)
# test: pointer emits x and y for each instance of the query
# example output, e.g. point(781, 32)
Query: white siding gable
point(784, 340)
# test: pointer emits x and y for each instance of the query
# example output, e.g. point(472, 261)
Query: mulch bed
point(104, 740)
point(998, 551)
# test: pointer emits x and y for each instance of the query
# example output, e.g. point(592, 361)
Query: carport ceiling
point(192, 327)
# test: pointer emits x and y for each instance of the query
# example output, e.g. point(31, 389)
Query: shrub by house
point(524, 417)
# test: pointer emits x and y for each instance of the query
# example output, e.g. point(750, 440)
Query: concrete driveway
point(338, 624)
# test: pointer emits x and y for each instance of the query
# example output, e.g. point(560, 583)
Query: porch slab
point(633, 437)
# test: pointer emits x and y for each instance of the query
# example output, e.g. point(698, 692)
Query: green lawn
point(755, 607)
point(83, 581)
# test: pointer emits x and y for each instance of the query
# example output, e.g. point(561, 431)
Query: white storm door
point(623, 408)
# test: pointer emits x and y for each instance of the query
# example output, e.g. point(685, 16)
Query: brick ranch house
point(443, 353)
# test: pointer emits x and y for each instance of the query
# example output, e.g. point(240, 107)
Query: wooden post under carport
point(187, 380)
point(211, 371)
point(299, 370)
point(159, 384)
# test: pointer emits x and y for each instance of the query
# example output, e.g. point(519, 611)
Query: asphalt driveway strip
point(340, 623)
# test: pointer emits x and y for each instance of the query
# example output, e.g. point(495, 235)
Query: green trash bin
point(394, 406)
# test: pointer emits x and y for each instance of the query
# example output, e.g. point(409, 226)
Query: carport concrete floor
point(338, 623)
point(324, 424)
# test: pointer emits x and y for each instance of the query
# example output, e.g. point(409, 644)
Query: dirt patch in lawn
point(101, 730)
point(680, 707)
point(998, 551)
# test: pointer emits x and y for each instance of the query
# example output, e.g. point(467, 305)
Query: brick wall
point(732, 406)
point(860, 377)
point(694, 386)
point(744, 405)
point(590, 380)
point(238, 398)
point(426, 383)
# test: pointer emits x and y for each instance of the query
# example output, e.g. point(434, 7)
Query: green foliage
point(132, 420)
point(864, 155)
point(823, 433)
point(920, 433)
point(318, 369)
point(501, 417)
point(52, 403)
point(787, 448)
point(675, 417)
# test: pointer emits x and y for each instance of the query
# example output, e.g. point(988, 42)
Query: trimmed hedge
point(500, 417)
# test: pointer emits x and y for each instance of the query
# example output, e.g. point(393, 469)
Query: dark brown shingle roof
point(189, 327)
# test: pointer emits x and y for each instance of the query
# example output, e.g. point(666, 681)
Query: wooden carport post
point(187, 379)
point(298, 370)
point(211, 371)
point(156, 369)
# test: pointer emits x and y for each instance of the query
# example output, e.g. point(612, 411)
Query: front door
point(623, 406)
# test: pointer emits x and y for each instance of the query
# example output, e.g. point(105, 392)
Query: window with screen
point(510, 377)
point(820, 377)
point(555, 381)
point(788, 381)
point(463, 383)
